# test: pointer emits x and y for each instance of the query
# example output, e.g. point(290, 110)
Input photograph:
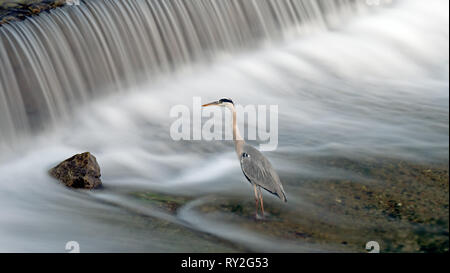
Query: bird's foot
point(259, 217)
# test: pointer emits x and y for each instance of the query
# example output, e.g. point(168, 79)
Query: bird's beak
point(211, 104)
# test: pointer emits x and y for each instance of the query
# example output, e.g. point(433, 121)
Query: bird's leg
point(256, 201)
point(261, 199)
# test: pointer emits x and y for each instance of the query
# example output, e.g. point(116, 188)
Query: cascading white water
point(377, 86)
point(52, 62)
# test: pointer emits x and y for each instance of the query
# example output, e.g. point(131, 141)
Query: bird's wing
point(259, 171)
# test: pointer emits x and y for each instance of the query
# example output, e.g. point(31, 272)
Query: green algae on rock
point(166, 202)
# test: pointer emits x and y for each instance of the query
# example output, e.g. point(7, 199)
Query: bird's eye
point(245, 155)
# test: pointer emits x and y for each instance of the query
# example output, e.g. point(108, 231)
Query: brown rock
point(81, 171)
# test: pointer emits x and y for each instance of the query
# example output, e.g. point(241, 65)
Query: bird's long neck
point(238, 140)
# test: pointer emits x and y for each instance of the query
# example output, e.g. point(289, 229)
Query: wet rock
point(17, 10)
point(81, 171)
point(39, 7)
point(8, 19)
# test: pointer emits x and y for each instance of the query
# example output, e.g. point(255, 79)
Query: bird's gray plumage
point(259, 171)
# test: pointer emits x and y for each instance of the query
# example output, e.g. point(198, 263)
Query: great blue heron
point(255, 166)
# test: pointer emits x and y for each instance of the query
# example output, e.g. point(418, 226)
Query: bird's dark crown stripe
point(227, 100)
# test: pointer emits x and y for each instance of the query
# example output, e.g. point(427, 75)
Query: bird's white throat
point(238, 140)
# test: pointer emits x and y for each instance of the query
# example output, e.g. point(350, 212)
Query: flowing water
point(351, 81)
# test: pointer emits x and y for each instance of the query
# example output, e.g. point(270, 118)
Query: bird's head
point(225, 102)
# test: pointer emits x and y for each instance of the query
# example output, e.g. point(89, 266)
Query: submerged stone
point(81, 171)
point(171, 203)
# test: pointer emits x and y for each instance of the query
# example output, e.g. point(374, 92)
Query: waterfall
point(51, 62)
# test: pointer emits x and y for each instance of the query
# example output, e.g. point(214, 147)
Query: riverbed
point(363, 113)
